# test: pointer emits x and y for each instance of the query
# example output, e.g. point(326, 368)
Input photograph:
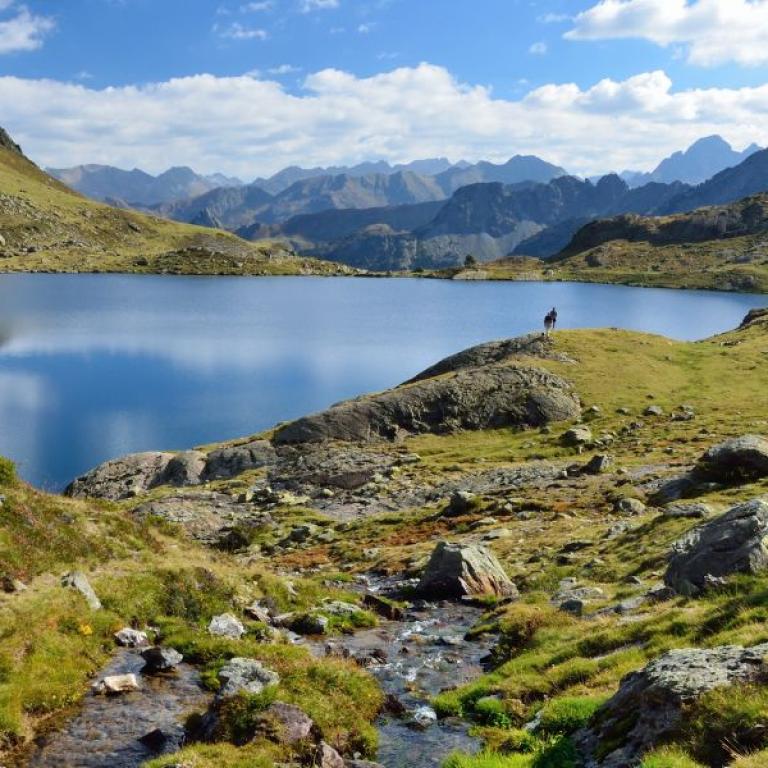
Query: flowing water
point(107, 731)
point(96, 366)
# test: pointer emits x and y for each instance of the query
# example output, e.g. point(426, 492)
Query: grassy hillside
point(546, 662)
point(45, 227)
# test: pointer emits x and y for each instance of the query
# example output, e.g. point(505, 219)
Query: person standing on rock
point(548, 323)
point(553, 315)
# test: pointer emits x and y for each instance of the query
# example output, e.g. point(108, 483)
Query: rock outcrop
point(732, 543)
point(648, 705)
point(736, 460)
point(459, 570)
point(478, 398)
point(532, 345)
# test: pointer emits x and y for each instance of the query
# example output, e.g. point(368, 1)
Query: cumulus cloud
point(714, 31)
point(538, 49)
point(24, 31)
point(249, 126)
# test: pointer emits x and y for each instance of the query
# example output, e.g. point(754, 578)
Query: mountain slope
point(137, 188)
point(748, 178)
point(45, 226)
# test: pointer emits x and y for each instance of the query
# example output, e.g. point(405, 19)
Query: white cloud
point(714, 31)
point(265, 5)
point(307, 6)
point(25, 31)
point(284, 69)
point(247, 126)
point(237, 31)
point(554, 18)
point(538, 49)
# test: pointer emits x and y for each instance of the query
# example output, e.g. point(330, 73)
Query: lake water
point(95, 366)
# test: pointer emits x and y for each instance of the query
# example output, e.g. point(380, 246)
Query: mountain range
point(136, 188)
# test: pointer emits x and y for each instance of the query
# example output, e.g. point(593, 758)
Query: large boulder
point(121, 478)
point(458, 570)
point(78, 581)
point(231, 461)
point(732, 543)
point(480, 398)
point(735, 460)
point(648, 707)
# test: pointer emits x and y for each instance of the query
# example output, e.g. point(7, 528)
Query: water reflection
point(95, 366)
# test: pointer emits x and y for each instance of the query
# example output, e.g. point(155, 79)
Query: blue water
point(92, 367)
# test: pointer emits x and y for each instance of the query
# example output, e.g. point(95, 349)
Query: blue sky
point(593, 85)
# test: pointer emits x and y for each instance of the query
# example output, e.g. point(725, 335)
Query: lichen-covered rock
point(735, 460)
point(226, 625)
point(183, 469)
point(648, 705)
point(481, 398)
point(578, 435)
point(121, 478)
point(241, 675)
point(456, 570)
point(735, 542)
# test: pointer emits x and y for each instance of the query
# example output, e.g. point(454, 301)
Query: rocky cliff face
point(746, 217)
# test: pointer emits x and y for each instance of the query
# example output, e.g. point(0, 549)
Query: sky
point(247, 87)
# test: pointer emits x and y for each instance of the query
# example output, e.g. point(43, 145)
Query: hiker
point(548, 323)
point(553, 315)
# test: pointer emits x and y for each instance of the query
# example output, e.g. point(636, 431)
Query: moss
point(670, 757)
point(564, 715)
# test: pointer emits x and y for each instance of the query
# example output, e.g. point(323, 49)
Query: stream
point(413, 659)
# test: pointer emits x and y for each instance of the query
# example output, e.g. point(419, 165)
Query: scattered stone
point(257, 612)
point(423, 717)
point(246, 676)
point(692, 510)
point(154, 740)
point(576, 436)
point(458, 570)
point(656, 697)
point(79, 581)
point(310, 624)
point(284, 724)
point(731, 543)
point(116, 684)
point(736, 460)
point(383, 607)
point(328, 757)
point(339, 608)
point(653, 410)
point(598, 464)
point(226, 625)
point(660, 594)
point(160, 660)
point(573, 606)
point(630, 507)
point(9, 585)
point(131, 638)
point(461, 503)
